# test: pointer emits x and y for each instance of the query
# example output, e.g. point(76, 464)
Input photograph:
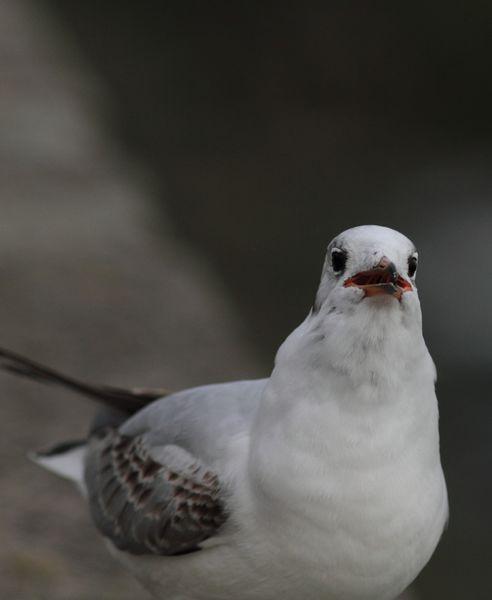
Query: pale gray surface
point(89, 288)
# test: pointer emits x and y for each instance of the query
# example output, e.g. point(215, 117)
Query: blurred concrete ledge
point(89, 283)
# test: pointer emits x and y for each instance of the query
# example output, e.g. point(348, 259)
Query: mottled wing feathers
point(148, 506)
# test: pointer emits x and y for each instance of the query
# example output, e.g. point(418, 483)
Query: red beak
point(382, 279)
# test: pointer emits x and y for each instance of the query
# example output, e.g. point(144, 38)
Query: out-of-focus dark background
point(170, 175)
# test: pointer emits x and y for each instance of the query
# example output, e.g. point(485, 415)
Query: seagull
point(322, 481)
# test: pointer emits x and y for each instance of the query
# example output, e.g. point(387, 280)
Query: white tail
point(65, 460)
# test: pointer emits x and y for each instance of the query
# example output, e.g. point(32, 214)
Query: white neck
point(362, 361)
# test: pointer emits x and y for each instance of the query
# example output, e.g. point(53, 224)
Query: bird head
point(371, 265)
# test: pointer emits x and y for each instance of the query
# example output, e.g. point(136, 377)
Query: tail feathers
point(127, 400)
point(65, 459)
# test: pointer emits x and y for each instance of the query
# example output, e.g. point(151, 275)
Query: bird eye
point(412, 264)
point(338, 260)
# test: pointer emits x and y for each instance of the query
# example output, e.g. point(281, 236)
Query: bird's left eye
point(412, 264)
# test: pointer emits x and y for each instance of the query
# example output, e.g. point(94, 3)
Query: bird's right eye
point(338, 260)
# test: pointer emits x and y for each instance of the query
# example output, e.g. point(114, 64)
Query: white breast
point(360, 501)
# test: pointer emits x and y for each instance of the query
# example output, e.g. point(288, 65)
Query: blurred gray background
point(170, 175)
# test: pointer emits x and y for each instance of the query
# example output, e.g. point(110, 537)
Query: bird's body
point(330, 481)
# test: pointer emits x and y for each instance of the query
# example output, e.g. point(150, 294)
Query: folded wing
point(150, 500)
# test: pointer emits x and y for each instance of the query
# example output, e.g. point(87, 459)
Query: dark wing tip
point(127, 400)
point(59, 448)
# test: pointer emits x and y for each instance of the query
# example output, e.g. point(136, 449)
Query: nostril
point(393, 273)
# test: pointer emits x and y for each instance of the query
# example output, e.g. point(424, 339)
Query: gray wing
point(147, 506)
